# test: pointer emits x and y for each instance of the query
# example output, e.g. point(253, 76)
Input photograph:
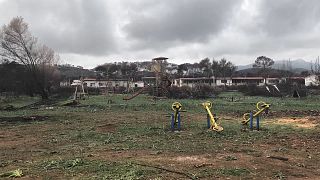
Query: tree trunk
point(44, 94)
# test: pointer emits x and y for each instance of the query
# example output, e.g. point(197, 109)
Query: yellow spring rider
point(175, 116)
point(212, 123)
point(248, 117)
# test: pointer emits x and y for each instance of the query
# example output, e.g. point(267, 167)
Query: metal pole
point(258, 119)
point(208, 121)
point(251, 121)
point(179, 121)
point(172, 122)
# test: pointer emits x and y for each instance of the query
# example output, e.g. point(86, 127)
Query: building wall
point(312, 80)
point(192, 82)
point(136, 84)
point(104, 83)
point(222, 82)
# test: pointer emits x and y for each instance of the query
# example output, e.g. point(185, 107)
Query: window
point(223, 81)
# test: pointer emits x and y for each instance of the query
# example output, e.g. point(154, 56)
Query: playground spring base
point(257, 122)
point(175, 125)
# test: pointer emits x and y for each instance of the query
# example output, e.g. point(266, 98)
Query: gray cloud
point(172, 22)
point(93, 31)
point(286, 17)
point(272, 28)
point(72, 26)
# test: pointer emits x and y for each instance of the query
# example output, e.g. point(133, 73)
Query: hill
point(297, 65)
point(71, 72)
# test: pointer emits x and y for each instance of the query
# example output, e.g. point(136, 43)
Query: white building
point(223, 81)
point(193, 82)
point(136, 84)
point(312, 80)
point(96, 83)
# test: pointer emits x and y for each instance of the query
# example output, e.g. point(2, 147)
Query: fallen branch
point(278, 157)
point(169, 170)
point(203, 165)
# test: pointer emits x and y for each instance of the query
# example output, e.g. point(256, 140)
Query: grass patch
point(93, 169)
point(233, 171)
point(212, 172)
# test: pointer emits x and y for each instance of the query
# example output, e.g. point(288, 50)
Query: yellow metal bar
point(176, 107)
point(213, 122)
point(261, 106)
point(214, 125)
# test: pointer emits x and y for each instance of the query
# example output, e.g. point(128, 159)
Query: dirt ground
point(37, 144)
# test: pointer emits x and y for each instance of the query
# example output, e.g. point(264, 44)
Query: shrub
point(199, 92)
point(179, 92)
point(205, 91)
point(253, 90)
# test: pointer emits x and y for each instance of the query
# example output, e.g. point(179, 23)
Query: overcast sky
point(92, 32)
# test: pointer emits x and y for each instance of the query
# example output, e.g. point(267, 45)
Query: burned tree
point(264, 63)
point(17, 44)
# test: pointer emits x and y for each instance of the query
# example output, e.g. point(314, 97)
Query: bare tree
point(19, 45)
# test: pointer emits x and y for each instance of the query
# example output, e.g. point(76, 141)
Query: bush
point(253, 90)
point(62, 92)
point(179, 92)
point(205, 91)
point(286, 89)
point(198, 92)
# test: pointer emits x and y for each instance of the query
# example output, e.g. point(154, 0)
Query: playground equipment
point(175, 116)
point(136, 93)
point(274, 88)
point(211, 119)
point(159, 87)
point(248, 117)
point(79, 92)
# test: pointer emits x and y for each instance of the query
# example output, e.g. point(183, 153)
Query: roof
point(92, 79)
point(254, 78)
point(148, 77)
point(160, 58)
point(296, 78)
point(199, 78)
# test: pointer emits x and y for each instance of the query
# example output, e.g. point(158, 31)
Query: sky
point(92, 32)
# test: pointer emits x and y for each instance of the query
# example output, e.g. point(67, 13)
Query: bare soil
point(34, 140)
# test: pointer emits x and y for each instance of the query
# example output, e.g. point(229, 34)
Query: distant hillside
point(297, 66)
point(254, 72)
point(70, 72)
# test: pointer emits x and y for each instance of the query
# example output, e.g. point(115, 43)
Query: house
point(312, 80)
point(65, 83)
point(192, 82)
point(236, 81)
point(138, 84)
point(149, 80)
point(273, 81)
point(102, 83)
point(222, 81)
point(294, 80)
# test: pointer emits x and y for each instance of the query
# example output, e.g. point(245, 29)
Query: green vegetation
point(97, 140)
